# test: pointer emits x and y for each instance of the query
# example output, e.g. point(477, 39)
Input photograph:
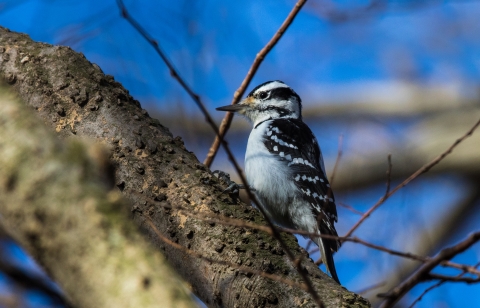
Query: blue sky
point(326, 60)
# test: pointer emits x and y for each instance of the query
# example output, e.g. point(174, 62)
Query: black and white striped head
point(270, 100)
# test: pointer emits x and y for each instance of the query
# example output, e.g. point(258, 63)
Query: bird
point(284, 166)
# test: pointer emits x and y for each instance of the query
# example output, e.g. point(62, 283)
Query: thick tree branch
point(76, 98)
point(208, 118)
point(55, 203)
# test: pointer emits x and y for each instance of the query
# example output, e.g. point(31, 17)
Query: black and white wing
point(292, 141)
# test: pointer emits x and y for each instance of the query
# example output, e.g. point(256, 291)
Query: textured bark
point(154, 170)
point(54, 199)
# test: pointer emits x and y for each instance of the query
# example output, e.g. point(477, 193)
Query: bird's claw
point(233, 189)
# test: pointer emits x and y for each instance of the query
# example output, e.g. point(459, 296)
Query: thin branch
point(350, 208)
point(227, 120)
point(466, 268)
point(458, 278)
point(408, 255)
point(337, 160)
point(416, 174)
point(231, 157)
point(435, 286)
point(426, 291)
point(173, 72)
point(422, 273)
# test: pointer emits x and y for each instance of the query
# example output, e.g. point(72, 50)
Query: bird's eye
point(263, 95)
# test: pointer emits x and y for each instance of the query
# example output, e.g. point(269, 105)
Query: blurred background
point(392, 76)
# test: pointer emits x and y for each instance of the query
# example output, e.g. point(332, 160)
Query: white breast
point(270, 177)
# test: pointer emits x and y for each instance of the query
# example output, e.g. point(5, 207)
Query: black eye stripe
point(283, 94)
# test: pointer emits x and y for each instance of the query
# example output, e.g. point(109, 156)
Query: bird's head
point(270, 100)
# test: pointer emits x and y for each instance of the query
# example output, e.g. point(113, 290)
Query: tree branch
point(55, 203)
point(424, 271)
point(75, 98)
point(209, 119)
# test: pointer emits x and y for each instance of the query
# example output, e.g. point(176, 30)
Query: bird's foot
point(233, 189)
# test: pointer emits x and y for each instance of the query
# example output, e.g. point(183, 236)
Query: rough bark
point(155, 171)
point(54, 199)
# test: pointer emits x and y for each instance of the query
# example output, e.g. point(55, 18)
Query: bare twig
point(349, 207)
point(422, 273)
point(416, 174)
point(435, 286)
point(466, 268)
point(227, 120)
point(231, 157)
point(173, 72)
point(337, 161)
point(408, 255)
point(458, 278)
point(426, 291)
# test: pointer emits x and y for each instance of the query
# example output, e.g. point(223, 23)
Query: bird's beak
point(232, 108)
point(241, 107)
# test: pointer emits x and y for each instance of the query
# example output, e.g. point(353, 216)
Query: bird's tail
point(327, 246)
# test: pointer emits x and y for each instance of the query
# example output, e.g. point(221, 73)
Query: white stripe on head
point(271, 85)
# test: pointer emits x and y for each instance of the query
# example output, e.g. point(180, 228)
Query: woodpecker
point(284, 166)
